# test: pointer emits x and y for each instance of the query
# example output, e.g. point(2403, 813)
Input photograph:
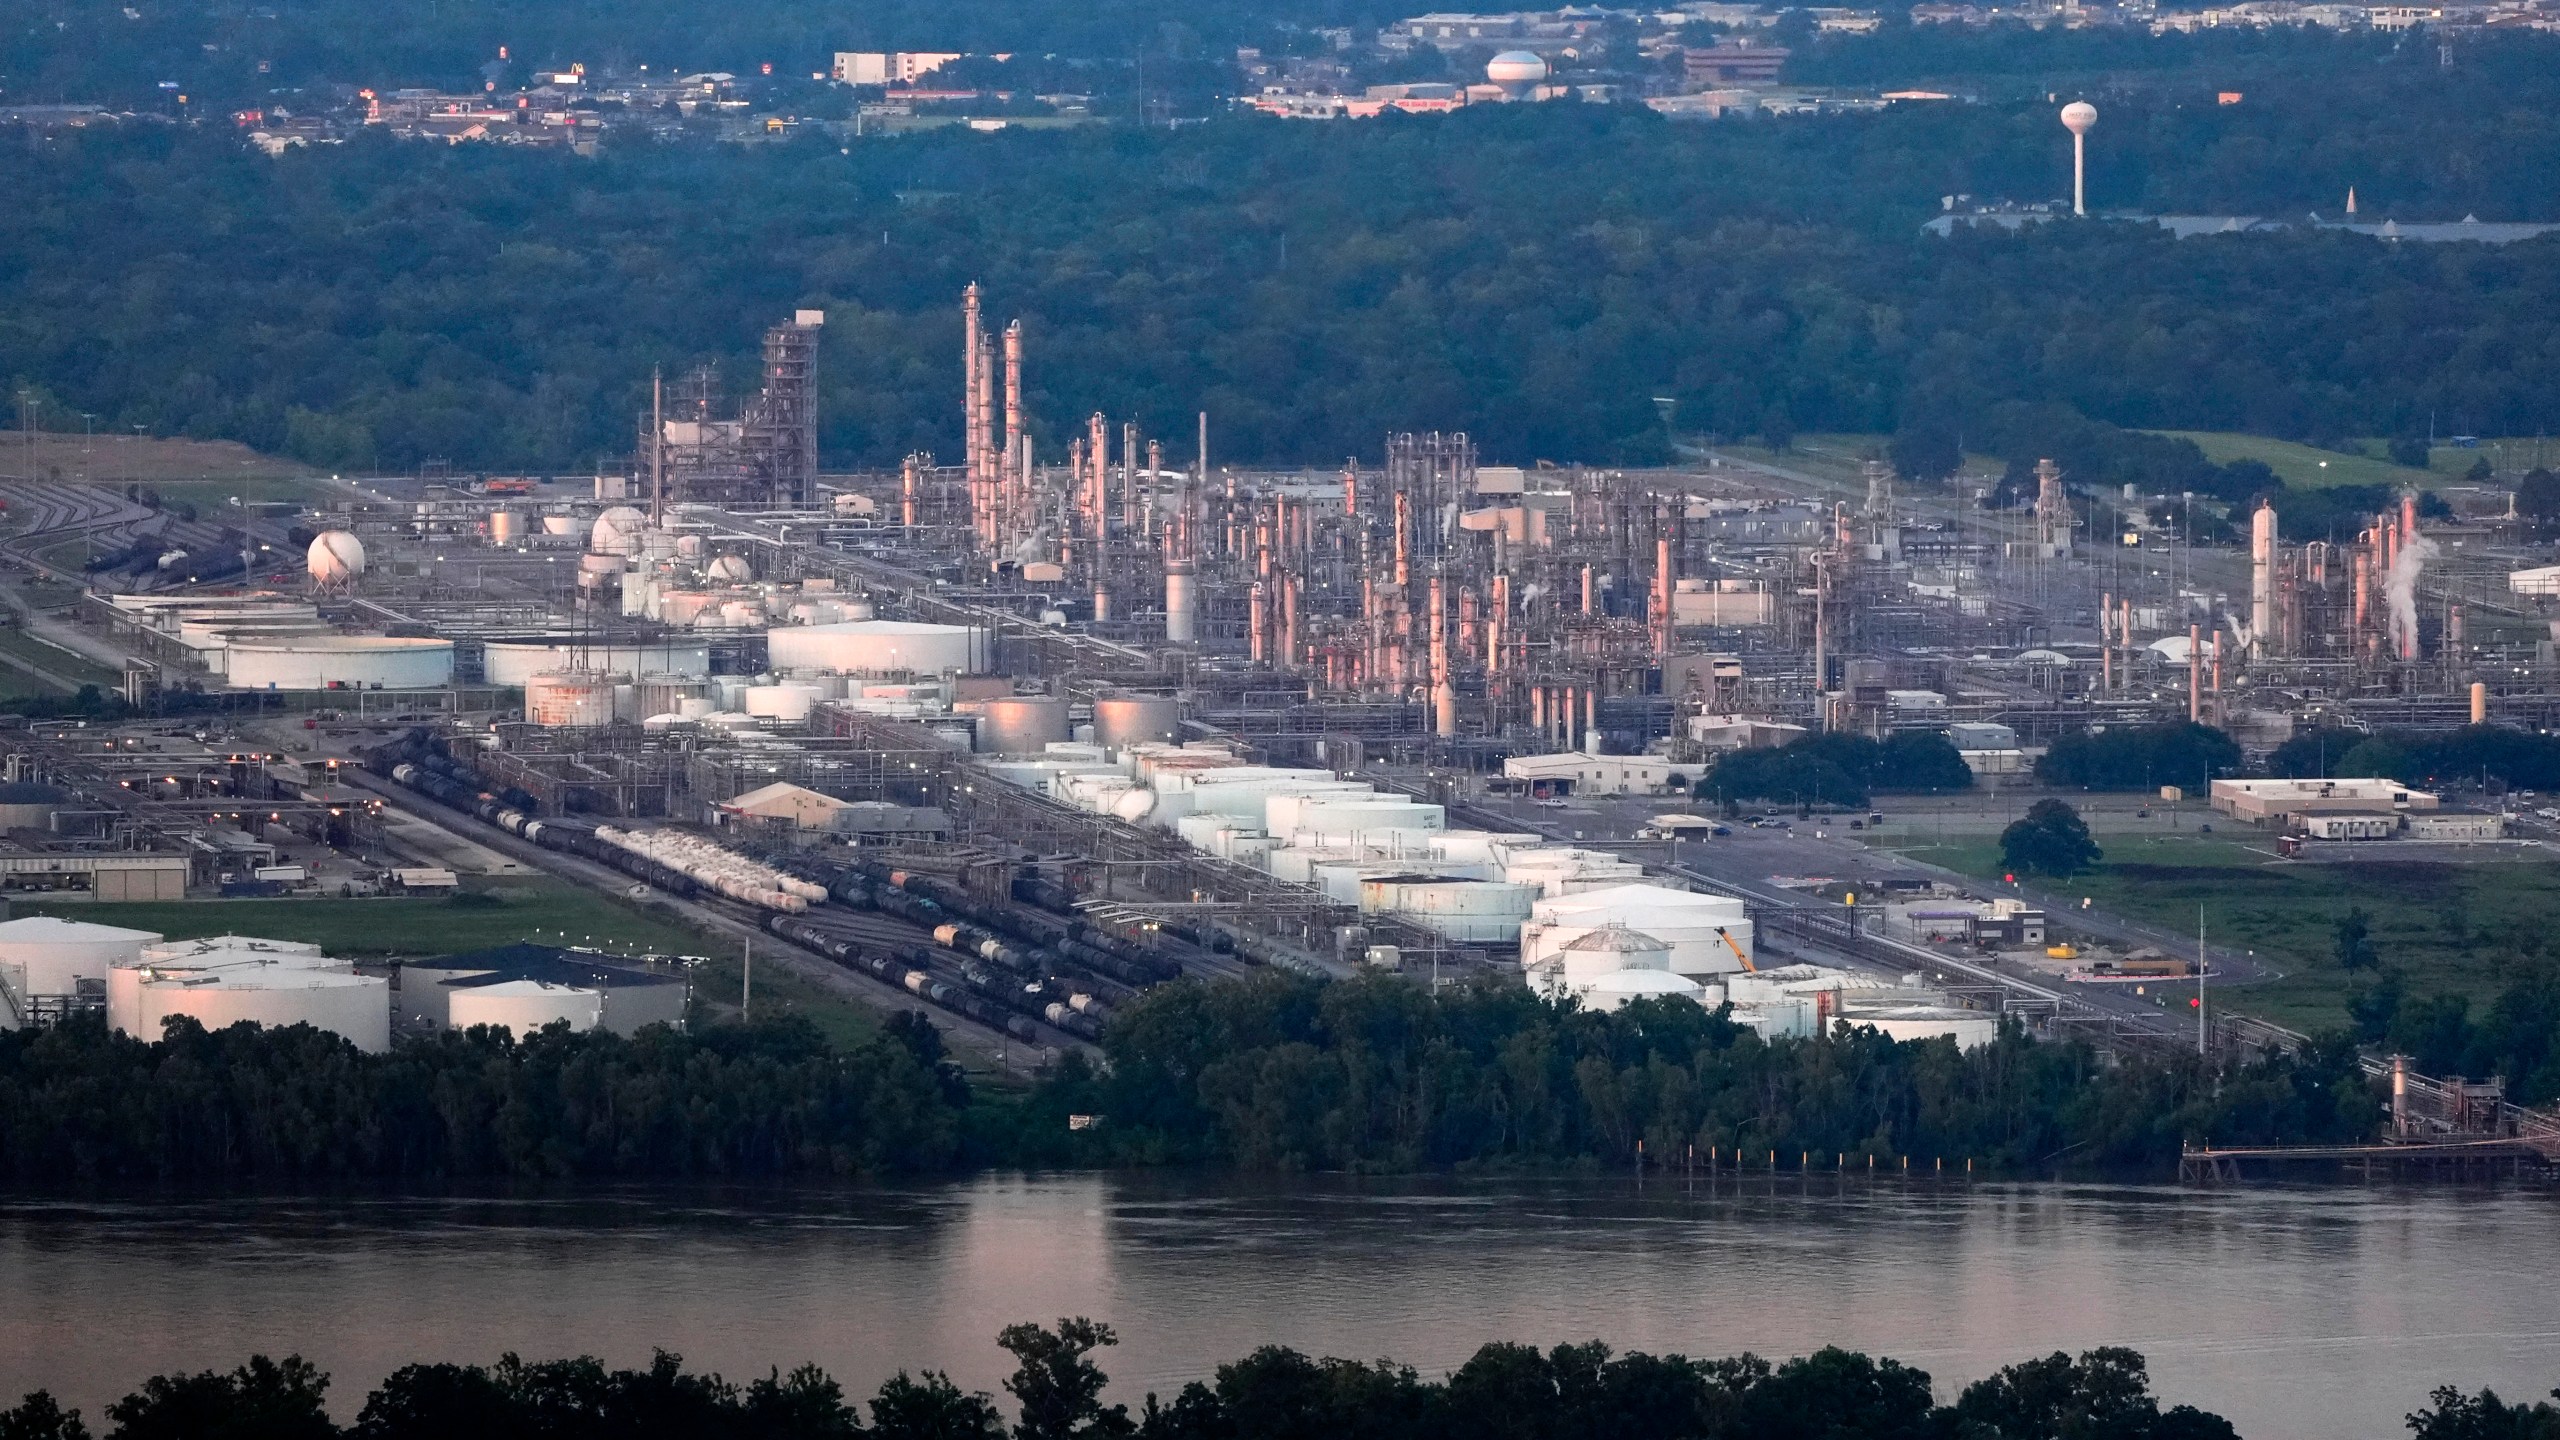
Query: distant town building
point(875, 67)
point(1734, 62)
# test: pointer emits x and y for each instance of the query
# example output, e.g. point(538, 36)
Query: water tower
point(1518, 72)
point(2077, 117)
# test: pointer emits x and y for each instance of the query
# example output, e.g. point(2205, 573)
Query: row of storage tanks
point(220, 981)
point(1387, 853)
point(574, 684)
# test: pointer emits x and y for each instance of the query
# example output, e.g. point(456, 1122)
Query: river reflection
point(2297, 1313)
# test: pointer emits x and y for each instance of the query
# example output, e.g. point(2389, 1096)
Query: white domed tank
point(1518, 72)
point(688, 547)
point(336, 559)
point(730, 570)
point(2078, 116)
point(560, 524)
point(617, 531)
point(1123, 720)
point(1621, 988)
point(871, 647)
point(1615, 947)
point(1021, 724)
point(741, 615)
point(569, 700)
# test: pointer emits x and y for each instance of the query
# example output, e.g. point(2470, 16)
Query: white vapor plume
point(2400, 589)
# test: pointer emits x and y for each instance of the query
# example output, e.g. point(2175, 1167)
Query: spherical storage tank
point(1123, 720)
point(51, 957)
point(730, 570)
point(617, 531)
point(335, 558)
point(1021, 724)
point(877, 646)
point(339, 662)
point(569, 700)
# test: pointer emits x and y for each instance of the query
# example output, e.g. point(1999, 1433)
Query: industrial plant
point(1019, 735)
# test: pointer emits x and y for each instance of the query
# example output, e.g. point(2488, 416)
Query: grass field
point(53, 659)
point(127, 458)
point(540, 908)
point(2459, 928)
point(2307, 467)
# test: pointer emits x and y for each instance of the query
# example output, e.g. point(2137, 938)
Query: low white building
point(2261, 801)
point(1572, 772)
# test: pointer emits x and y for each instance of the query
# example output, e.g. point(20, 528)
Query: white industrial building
point(1574, 772)
point(2261, 801)
point(224, 981)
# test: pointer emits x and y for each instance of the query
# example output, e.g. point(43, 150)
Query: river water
point(2302, 1314)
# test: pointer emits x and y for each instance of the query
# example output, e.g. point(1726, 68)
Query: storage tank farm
point(1276, 714)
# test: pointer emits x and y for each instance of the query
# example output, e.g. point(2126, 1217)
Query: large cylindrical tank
point(517, 659)
point(694, 707)
point(663, 694)
point(1021, 724)
point(729, 570)
point(741, 615)
point(523, 1006)
point(562, 524)
point(338, 662)
point(569, 700)
point(505, 527)
point(50, 957)
point(1121, 720)
point(872, 647)
point(788, 703)
point(357, 1007)
point(597, 570)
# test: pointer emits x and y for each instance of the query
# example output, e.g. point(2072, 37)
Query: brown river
point(2301, 1314)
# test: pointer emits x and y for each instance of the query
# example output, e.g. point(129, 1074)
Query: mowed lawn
point(2466, 928)
point(2308, 467)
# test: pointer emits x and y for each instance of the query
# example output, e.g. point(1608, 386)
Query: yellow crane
point(1747, 966)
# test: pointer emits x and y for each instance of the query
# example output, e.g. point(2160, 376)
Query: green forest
point(1570, 1392)
point(1271, 1074)
point(1534, 275)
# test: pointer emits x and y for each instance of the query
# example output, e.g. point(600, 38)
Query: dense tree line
point(1531, 274)
point(1838, 769)
point(1572, 1392)
point(2515, 1038)
point(1376, 1074)
point(1269, 1074)
point(2141, 757)
point(78, 1103)
point(2516, 759)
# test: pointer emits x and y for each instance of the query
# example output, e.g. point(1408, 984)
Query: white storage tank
point(730, 570)
point(42, 956)
point(1021, 724)
point(617, 531)
point(514, 660)
point(569, 700)
point(664, 694)
point(338, 662)
point(335, 559)
point(224, 982)
point(1465, 910)
point(560, 523)
point(522, 1007)
point(1620, 988)
point(1121, 720)
point(790, 704)
point(870, 647)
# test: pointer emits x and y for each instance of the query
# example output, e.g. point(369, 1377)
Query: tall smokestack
point(973, 326)
point(2262, 579)
point(2479, 703)
point(1017, 473)
point(1258, 622)
point(1662, 597)
point(2195, 673)
point(907, 493)
point(2107, 641)
point(1444, 694)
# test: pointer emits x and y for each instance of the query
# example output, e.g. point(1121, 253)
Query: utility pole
point(2200, 969)
point(747, 996)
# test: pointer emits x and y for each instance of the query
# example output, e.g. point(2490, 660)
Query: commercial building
point(1572, 772)
point(2263, 801)
point(1734, 62)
